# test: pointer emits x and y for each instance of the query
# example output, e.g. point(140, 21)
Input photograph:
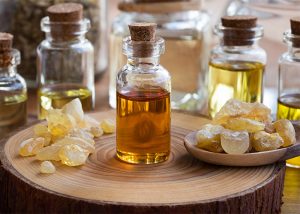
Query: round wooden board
point(181, 185)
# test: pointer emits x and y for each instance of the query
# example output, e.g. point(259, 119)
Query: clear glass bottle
point(187, 32)
point(236, 66)
point(143, 105)
point(13, 92)
point(22, 19)
point(288, 88)
point(65, 65)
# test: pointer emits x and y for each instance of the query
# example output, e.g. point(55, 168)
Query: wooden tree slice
point(180, 185)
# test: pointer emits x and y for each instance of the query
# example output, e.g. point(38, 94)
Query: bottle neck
point(143, 63)
point(65, 33)
point(64, 39)
point(239, 44)
point(10, 71)
point(294, 52)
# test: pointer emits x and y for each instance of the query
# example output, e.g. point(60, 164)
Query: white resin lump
point(67, 137)
point(241, 127)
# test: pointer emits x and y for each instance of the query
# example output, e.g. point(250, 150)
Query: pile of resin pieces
point(241, 127)
point(68, 137)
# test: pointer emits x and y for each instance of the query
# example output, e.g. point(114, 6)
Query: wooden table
point(291, 196)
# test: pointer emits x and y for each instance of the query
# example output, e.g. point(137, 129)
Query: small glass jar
point(236, 67)
point(65, 66)
point(13, 93)
point(22, 19)
point(187, 32)
point(288, 88)
point(143, 105)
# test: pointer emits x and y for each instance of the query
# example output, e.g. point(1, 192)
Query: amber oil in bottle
point(143, 99)
point(143, 119)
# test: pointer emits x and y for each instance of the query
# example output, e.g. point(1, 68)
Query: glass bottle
point(143, 104)
point(186, 30)
point(237, 63)
point(13, 92)
point(22, 19)
point(289, 76)
point(65, 64)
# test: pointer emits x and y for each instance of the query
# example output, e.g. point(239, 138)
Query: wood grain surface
point(182, 184)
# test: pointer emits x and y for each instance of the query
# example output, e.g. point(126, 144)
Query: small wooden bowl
point(247, 159)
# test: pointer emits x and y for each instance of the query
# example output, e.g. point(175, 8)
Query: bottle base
point(149, 158)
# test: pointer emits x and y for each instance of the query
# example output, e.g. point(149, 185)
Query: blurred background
point(22, 18)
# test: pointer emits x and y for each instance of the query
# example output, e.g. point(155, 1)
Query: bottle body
point(187, 38)
point(288, 88)
point(236, 65)
point(26, 16)
point(143, 112)
point(65, 72)
point(13, 97)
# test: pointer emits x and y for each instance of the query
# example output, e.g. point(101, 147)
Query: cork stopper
point(143, 38)
point(295, 25)
point(6, 41)
point(66, 12)
point(295, 30)
point(65, 20)
point(142, 31)
point(239, 31)
point(239, 21)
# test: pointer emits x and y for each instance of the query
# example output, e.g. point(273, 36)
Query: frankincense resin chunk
point(235, 142)
point(73, 155)
point(49, 153)
point(286, 130)
point(234, 108)
point(47, 167)
point(75, 141)
point(31, 146)
point(263, 141)
point(208, 138)
point(41, 130)
point(244, 124)
point(108, 126)
point(96, 131)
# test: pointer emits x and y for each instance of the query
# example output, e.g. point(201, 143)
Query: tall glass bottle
point(65, 59)
point(289, 77)
point(186, 29)
point(22, 19)
point(13, 92)
point(143, 99)
point(237, 64)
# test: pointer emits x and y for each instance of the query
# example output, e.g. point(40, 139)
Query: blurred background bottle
point(65, 59)
point(22, 18)
point(289, 77)
point(187, 33)
point(13, 92)
point(237, 64)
